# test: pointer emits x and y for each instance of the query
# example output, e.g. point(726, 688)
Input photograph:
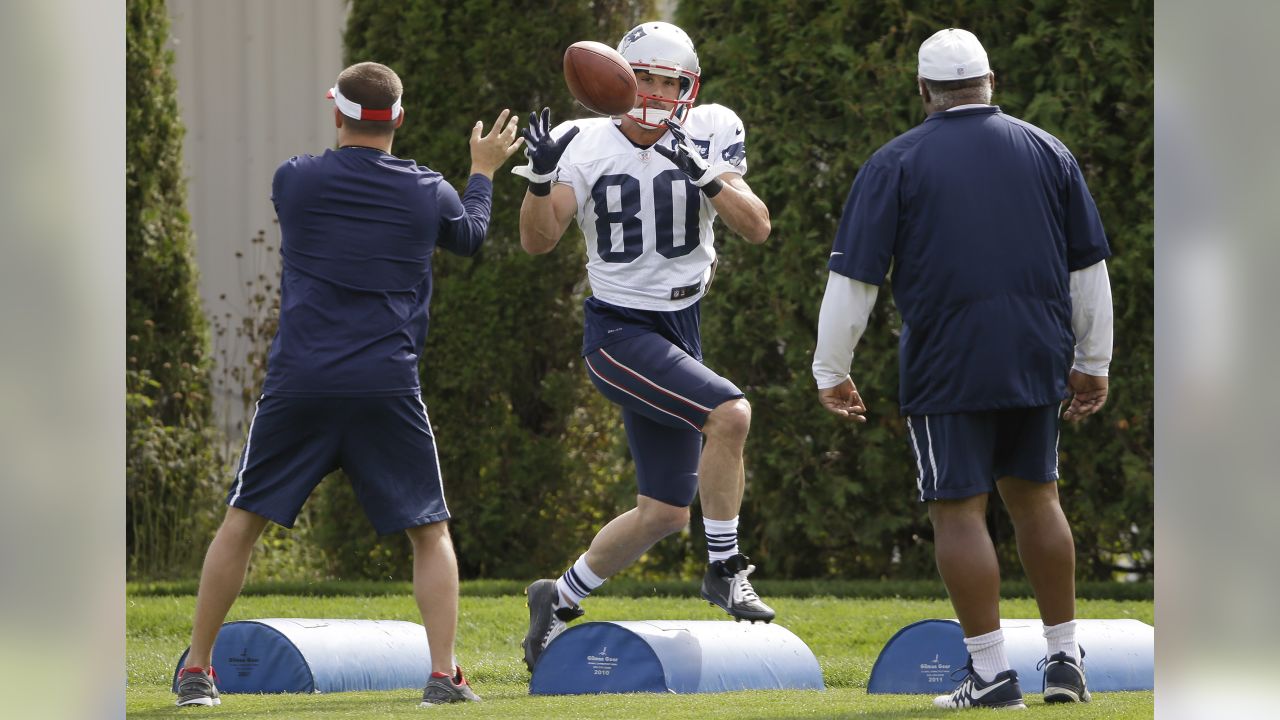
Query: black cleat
point(1002, 692)
point(726, 586)
point(1064, 679)
point(546, 621)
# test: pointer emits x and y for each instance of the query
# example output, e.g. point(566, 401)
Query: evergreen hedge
point(823, 85)
point(534, 460)
point(174, 464)
point(627, 587)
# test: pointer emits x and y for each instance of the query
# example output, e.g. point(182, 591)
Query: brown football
point(599, 78)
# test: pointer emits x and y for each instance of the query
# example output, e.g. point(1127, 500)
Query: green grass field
point(844, 633)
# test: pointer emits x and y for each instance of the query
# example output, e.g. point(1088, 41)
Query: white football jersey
point(647, 226)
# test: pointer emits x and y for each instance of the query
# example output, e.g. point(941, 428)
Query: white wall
point(251, 82)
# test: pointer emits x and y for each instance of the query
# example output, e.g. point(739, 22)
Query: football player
point(645, 188)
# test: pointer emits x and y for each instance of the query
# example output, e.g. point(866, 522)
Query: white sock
point(722, 538)
point(578, 581)
point(988, 654)
point(1062, 638)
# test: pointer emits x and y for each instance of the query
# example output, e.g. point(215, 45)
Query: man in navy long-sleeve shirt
point(359, 226)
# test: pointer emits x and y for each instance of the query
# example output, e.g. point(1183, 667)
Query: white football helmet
point(662, 49)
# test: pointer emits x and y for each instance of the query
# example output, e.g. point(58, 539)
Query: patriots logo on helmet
point(636, 33)
point(662, 49)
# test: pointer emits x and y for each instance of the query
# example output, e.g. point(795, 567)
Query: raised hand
point(543, 151)
point(685, 156)
point(488, 152)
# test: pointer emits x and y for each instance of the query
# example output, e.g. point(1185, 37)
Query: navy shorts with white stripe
point(666, 396)
point(959, 455)
point(384, 444)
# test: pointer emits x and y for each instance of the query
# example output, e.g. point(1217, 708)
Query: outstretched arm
point(547, 208)
point(490, 151)
point(741, 210)
point(544, 218)
point(732, 198)
point(465, 222)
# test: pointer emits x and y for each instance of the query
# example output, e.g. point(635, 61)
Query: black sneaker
point(196, 687)
point(1002, 692)
point(726, 586)
point(546, 621)
point(1064, 678)
point(444, 690)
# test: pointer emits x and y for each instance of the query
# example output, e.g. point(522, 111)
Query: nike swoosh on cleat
point(979, 694)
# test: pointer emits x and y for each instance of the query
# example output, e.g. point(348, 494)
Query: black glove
point(689, 161)
point(543, 151)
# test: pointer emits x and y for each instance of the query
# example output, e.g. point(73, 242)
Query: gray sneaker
point(726, 586)
point(196, 687)
point(441, 690)
point(546, 621)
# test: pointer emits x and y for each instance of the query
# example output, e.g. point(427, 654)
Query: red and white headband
point(354, 111)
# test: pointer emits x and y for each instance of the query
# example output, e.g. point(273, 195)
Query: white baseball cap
point(952, 54)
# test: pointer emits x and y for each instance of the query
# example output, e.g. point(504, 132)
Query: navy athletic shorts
point(384, 444)
point(962, 454)
point(666, 396)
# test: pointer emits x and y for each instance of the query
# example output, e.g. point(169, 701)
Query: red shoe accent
point(457, 678)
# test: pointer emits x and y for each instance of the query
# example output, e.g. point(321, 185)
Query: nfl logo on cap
point(952, 54)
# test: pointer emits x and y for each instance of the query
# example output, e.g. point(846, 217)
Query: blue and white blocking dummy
point(295, 655)
point(697, 656)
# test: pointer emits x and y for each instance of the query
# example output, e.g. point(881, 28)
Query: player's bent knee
point(677, 520)
point(242, 524)
point(953, 512)
point(664, 519)
point(428, 533)
point(731, 419)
